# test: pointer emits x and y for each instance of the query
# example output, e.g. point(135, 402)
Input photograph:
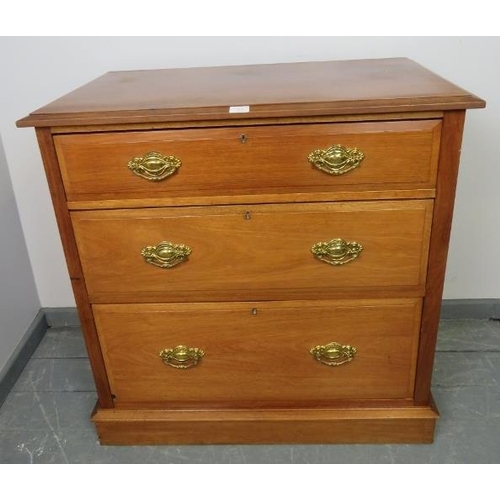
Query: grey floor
point(45, 419)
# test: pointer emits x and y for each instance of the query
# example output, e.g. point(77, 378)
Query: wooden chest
point(258, 252)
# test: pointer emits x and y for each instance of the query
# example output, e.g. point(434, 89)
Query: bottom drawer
point(259, 353)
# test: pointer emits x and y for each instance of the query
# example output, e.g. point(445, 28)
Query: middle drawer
point(254, 252)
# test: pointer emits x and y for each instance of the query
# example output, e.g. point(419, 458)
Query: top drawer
point(250, 160)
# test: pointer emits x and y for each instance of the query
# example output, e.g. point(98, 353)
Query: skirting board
point(22, 354)
point(61, 316)
point(470, 309)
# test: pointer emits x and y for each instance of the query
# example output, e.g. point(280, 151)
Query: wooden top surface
point(271, 90)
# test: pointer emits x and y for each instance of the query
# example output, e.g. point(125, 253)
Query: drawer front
point(249, 160)
point(252, 252)
point(260, 353)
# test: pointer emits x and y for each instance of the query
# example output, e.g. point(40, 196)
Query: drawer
point(259, 353)
point(249, 160)
point(254, 252)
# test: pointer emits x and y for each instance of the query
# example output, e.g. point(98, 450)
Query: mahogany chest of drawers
point(258, 252)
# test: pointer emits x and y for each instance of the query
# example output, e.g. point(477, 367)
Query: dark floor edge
point(470, 309)
point(22, 354)
point(61, 316)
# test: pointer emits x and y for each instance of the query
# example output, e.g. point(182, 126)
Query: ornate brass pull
point(165, 254)
point(154, 166)
point(181, 356)
point(333, 354)
point(336, 160)
point(337, 251)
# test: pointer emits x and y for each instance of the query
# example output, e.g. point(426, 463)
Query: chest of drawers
point(258, 252)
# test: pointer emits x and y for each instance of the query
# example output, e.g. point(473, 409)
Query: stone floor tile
point(61, 343)
point(468, 335)
point(31, 447)
point(56, 375)
point(453, 369)
point(47, 410)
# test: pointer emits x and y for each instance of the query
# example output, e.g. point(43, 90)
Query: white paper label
point(239, 109)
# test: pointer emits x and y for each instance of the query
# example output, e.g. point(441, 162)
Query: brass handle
point(336, 160)
point(182, 356)
point(333, 354)
point(337, 251)
point(165, 254)
point(154, 166)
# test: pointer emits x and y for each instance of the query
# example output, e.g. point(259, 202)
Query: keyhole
point(248, 215)
point(243, 138)
point(254, 311)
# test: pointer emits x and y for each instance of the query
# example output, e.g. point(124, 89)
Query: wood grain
point(216, 162)
point(74, 267)
point(351, 193)
point(272, 90)
point(453, 124)
point(242, 249)
point(117, 127)
point(320, 426)
point(257, 353)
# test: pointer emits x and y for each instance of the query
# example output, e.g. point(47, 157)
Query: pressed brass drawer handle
point(154, 166)
point(166, 254)
point(333, 354)
point(337, 251)
point(336, 160)
point(182, 356)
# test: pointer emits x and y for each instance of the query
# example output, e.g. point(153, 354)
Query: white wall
point(18, 298)
point(38, 70)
